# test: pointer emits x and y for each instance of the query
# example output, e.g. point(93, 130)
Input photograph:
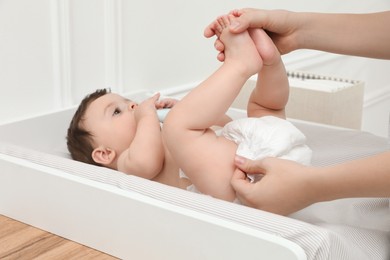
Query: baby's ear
point(104, 156)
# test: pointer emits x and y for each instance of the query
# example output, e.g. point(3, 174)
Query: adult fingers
point(250, 166)
point(208, 32)
point(221, 57)
point(240, 23)
point(249, 18)
point(212, 29)
point(219, 46)
point(241, 185)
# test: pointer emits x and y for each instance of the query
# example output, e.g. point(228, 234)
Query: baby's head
point(102, 128)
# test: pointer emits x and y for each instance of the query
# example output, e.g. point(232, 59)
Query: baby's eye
point(117, 111)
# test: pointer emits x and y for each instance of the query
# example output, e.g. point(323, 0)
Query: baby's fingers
point(166, 103)
point(155, 97)
point(150, 102)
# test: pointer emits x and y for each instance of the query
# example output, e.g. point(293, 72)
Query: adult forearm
point(367, 177)
point(352, 34)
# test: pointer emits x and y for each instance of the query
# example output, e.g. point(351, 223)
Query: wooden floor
point(21, 241)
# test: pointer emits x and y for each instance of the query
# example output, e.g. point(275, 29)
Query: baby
point(115, 132)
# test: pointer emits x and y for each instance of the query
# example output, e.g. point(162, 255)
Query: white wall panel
point(54, 52)
point(60, 24)
point(113, 47)
point(163, 43)
point(26, 71)
point(87, 46)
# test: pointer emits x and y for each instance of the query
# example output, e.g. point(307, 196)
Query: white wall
point(54, 52)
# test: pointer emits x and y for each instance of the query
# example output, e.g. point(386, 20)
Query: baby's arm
point(271, 93)
point(145, 156)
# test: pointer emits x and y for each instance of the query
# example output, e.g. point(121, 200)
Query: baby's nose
point(132, 105)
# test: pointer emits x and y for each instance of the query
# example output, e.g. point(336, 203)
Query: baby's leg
point(206, 158)
point(213, 97)
point(271, 93)
point(265, 46)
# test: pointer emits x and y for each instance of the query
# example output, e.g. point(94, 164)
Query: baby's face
point(111, 120)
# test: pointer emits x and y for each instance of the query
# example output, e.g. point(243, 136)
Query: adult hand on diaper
point(286, 186)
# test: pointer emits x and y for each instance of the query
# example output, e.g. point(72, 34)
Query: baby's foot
point(265, 46)
point(239, 48)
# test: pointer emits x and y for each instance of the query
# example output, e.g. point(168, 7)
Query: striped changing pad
point(321, 235)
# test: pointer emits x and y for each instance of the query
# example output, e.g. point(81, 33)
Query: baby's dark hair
point(79, 140)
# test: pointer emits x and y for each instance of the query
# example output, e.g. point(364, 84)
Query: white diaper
point(268, 136)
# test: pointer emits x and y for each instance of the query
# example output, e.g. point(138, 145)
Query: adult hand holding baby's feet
point(264, 44)
point(240, 49)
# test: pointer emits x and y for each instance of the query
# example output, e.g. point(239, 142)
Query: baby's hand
point(166, 103)
point(147, 107)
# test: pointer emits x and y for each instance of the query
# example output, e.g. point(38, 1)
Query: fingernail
point(239, 160)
